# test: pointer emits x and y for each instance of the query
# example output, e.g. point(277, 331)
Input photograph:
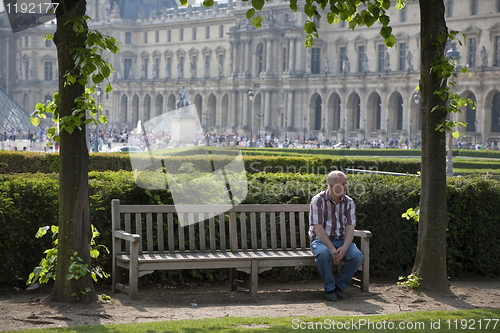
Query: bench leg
point(134, 270)
point(254, 278)
point(365, 249)
point(233, 273)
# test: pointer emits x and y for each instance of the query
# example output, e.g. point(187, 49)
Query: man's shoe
point(340, 293)
point(331, 295)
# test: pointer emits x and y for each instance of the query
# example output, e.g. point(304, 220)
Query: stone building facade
point(349, 84)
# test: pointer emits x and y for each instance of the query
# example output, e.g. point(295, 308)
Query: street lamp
point(364, 131)
point(250, 97)
point(305, 122)
point(343, 139)
point(324, 129)
point(286, 129)
point(475, 131)
point(259, 116)
point(387, 140)
point(96, 141)
point(206, 116)
point(416, 98)
point(411, 123)
point(453, 54)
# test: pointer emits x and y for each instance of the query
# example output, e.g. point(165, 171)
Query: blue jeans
point(352, 260)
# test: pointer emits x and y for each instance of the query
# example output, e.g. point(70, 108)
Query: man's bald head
point(335, 176)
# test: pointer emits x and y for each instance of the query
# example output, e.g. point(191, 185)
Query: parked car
point(130, 149)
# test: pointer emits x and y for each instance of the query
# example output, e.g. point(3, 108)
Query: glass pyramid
point(12, 116)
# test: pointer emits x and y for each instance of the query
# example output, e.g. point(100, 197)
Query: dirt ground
point(21, 309)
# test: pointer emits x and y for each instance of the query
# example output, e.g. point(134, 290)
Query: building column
point(297, 57)
point(232, 57)
point(247, 57)
point(269, 56)
point(267, 109)
point(287, 52)
point(291, 55)
point(289, 110)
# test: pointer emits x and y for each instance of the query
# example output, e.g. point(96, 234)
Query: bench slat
point(149, 231)
point(263, 230)
point(222, 232)
point(128, 229)
point(159, 230)
point(182, 244)
point(138, 229)
point(192, 242)
point(243, 226)
point(233, 232)
point(171, 243)
point(201, 225)
point(253, 231)
point(302, 231)
point(293, 236)
point(211, 227)
point(273, 231)
point(283, 230)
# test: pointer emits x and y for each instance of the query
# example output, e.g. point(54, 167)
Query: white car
point(130, 149)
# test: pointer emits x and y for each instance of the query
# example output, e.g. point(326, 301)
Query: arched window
point(495, 113)
point(317, 113)
point(400, 114)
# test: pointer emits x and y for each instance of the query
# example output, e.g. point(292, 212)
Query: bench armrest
point(363, 233)
point(134, 238)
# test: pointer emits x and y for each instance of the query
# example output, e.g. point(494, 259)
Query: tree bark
point(430, 261)
point(74, 206)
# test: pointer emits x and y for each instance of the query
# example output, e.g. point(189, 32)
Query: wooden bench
point(251, 239)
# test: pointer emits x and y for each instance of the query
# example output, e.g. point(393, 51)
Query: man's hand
point(339, 254)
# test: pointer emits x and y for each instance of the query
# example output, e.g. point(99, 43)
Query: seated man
point(332, 218)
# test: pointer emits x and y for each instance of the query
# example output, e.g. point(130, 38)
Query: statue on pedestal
point(183, 99)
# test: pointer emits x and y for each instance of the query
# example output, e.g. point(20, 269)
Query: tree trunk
point(430, 261)
point(74, 207)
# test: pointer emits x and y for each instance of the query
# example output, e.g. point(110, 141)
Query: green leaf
point(103, 119)
point(293, 5)
point(369, 20)
point(250, 13)
point(258, 4)
point(310, 27)
point(35, 121)
point(386, 32)
point(384, 19)
point(108, 88)
point(257, 22)
point(456, 134)
point(390, 41)
point(97, 78)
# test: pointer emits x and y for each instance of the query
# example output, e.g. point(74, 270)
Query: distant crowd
point(105, 137)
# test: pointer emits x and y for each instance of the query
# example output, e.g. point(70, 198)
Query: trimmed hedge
point(29, 201)
point(25, 162)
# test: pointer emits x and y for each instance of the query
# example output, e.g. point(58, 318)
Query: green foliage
point(47, 267)
point(356, 12)
point(412, 214)
point(89, 67)
point(411, 282)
